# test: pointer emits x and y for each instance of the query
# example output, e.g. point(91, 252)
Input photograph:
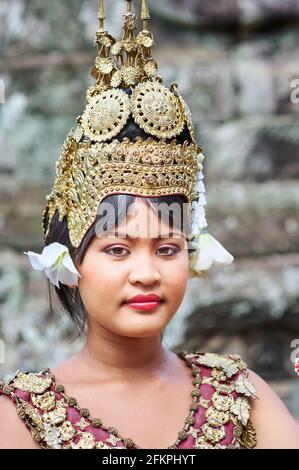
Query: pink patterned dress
point(219, 411)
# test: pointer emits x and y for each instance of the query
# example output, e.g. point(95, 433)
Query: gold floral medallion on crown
point(157, 110)
point(105, 115)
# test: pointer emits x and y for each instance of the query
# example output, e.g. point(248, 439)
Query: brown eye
point(119, 248)
point(170, 250)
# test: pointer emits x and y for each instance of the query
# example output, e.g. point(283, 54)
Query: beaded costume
point(219, 412)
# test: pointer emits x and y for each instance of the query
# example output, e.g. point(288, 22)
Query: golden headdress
point(96, 161)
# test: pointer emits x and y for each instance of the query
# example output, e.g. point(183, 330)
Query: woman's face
point(115, 269)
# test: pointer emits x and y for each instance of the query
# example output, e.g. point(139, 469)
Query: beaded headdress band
point(96, 161)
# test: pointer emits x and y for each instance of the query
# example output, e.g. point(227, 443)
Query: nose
point(144, 270)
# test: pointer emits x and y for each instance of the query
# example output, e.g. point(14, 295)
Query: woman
point(116, 227)
point(123, 374)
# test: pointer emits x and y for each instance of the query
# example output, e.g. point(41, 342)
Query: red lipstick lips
point(144, 302)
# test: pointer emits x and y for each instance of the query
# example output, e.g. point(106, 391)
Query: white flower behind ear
point(57, 264)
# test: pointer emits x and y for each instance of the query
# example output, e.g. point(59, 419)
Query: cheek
point(94, 268)
point(183, 266)
point(97, 274)
point(93, 277)
point(176, 277)
point(93, 286)
point(90, 272)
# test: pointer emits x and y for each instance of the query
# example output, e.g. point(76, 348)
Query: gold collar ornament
point(95, 162)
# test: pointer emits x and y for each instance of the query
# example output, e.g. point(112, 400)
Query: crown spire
point(129, 6)
point(145, 16)
point(101, 15)
point(129, 24)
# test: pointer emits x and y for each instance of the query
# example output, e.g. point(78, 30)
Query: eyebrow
point(162, 236)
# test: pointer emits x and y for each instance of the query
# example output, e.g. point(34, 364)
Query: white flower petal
point(35, 260)
point(52, 275)
point(200, 187)
point(209, 252)
point(221, 255)
point(69, 265)
point(204, 260)
point(57, 264)
point(52, 252)
point(202, 222)
point(202, 200)
point(68, 278)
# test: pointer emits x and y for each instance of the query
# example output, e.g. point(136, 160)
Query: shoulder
point(275, 426)
point(13, 432)
point(270, 420)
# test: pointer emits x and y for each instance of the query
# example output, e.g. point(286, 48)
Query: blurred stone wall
point(236, 62)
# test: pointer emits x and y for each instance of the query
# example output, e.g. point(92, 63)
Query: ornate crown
point(96, 161)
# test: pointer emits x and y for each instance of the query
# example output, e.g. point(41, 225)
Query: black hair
point(70, 298)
